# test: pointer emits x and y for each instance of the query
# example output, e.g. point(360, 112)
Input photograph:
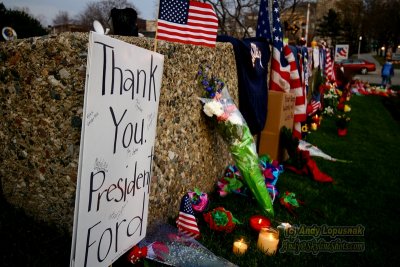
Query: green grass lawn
point(365, 192)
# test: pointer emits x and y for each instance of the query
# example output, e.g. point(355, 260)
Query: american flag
point(329, 73)
point(315, 106)
point(284, 72)
point(280, 69)
point(186, 221)
point(263, 28)
point(188, 22)
point(296, 87)
point(342, 51)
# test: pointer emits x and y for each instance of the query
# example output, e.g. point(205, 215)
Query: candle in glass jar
point(268, 240)
point(314, 126)
point(239, 247)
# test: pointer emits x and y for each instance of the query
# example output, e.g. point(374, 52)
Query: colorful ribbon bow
point(289, 201)
point(199, 200)
point(220, 219)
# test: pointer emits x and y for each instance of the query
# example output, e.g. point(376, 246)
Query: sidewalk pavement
point(375, 76)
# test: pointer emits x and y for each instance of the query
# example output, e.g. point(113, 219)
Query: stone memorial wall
point(42, 83)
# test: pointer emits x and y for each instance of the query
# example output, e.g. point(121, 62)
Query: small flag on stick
point(186, 221)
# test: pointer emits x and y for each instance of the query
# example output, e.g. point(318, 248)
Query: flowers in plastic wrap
point(219, 106)
point(300, 161)
point(166, 245)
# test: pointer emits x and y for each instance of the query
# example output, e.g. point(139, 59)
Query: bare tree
point(289, 5)
point(232, 15)
point(101, 11)
point(62, 18)
point(239, 17)
point(381, 23)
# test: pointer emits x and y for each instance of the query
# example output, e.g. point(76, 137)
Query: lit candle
point(239, 247)
point(314, 126)
point(257, 222)
point(317, 119)
point(268, 240)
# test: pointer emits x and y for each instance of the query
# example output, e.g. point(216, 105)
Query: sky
point(46, 10)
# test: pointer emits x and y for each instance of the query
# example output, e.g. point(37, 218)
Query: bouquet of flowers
point(219, 106)
point(330, 101)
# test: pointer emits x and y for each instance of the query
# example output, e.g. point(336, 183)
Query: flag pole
point(307, 22)
point(155, 38)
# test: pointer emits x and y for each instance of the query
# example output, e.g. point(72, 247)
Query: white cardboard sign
point(122, 93)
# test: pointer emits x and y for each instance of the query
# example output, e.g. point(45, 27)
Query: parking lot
point(375, 76)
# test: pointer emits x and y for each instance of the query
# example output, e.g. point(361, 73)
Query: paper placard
point(122, 93)
point(341, 52)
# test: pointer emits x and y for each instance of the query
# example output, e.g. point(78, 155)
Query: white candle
point(239, 247)
point(268, 240)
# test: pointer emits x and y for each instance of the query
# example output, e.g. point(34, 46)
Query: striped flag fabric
point(186, 221)
point(188, 22)
point(342, 51)
point(298, 89)
point(284, 72)
point(280, 68)
point(315, 105)
point(329, 72)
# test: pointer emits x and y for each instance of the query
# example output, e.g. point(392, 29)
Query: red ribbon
point(310, 168)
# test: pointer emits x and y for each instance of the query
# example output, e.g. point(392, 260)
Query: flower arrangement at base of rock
point(220, 108)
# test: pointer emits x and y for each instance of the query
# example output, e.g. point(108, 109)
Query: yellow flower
point(347, 108)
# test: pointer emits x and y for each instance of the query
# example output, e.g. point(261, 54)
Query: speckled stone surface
point(42, 84)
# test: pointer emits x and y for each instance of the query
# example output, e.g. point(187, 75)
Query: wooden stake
point(155, 38)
